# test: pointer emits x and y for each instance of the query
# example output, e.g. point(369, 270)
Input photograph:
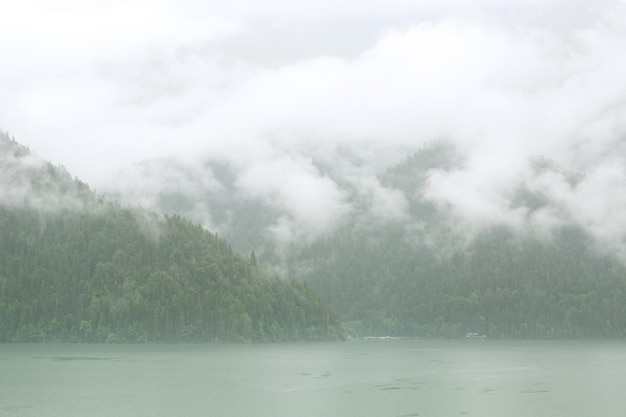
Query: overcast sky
point(100, 85)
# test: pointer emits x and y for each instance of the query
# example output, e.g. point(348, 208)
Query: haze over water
point(361, 378)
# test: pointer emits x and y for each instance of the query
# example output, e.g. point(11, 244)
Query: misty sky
point(101, 85)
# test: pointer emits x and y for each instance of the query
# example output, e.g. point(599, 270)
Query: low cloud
point(27, 181)
point(308, 114)
point(312, 203)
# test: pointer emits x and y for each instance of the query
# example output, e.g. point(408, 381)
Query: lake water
point(357, 378)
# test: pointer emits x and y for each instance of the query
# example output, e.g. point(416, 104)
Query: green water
point(359, 378)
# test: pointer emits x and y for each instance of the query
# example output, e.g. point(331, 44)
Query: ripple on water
point(74, 358)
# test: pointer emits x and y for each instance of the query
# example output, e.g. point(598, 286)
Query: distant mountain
point(76, 267)
point(423, 276)
point(399, 262)
point(206, 194)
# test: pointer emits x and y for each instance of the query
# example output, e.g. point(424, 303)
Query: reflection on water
point(359, 378)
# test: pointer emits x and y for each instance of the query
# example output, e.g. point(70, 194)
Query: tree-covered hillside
point(502, 286)
point(76, 268)
point(426, 276)
point(400, 261)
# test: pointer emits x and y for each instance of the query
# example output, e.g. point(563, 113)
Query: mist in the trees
point(412, 152)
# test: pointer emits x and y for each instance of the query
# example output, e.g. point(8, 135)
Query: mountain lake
point(374, 378)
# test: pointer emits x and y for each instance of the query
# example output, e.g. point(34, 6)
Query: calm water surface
point(360, 378)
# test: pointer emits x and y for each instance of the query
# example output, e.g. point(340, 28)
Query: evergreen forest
point(427, 274)
point(75, 267)
point(424, 277)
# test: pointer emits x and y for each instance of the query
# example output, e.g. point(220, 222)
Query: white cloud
point(313, 204)
point(274, 85)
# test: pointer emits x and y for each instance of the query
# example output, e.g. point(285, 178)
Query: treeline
point(98, 272)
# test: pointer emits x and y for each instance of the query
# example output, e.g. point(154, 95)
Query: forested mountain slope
point(425, 276)
point(76, 268)
point(399, 260)
point(501, 286)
